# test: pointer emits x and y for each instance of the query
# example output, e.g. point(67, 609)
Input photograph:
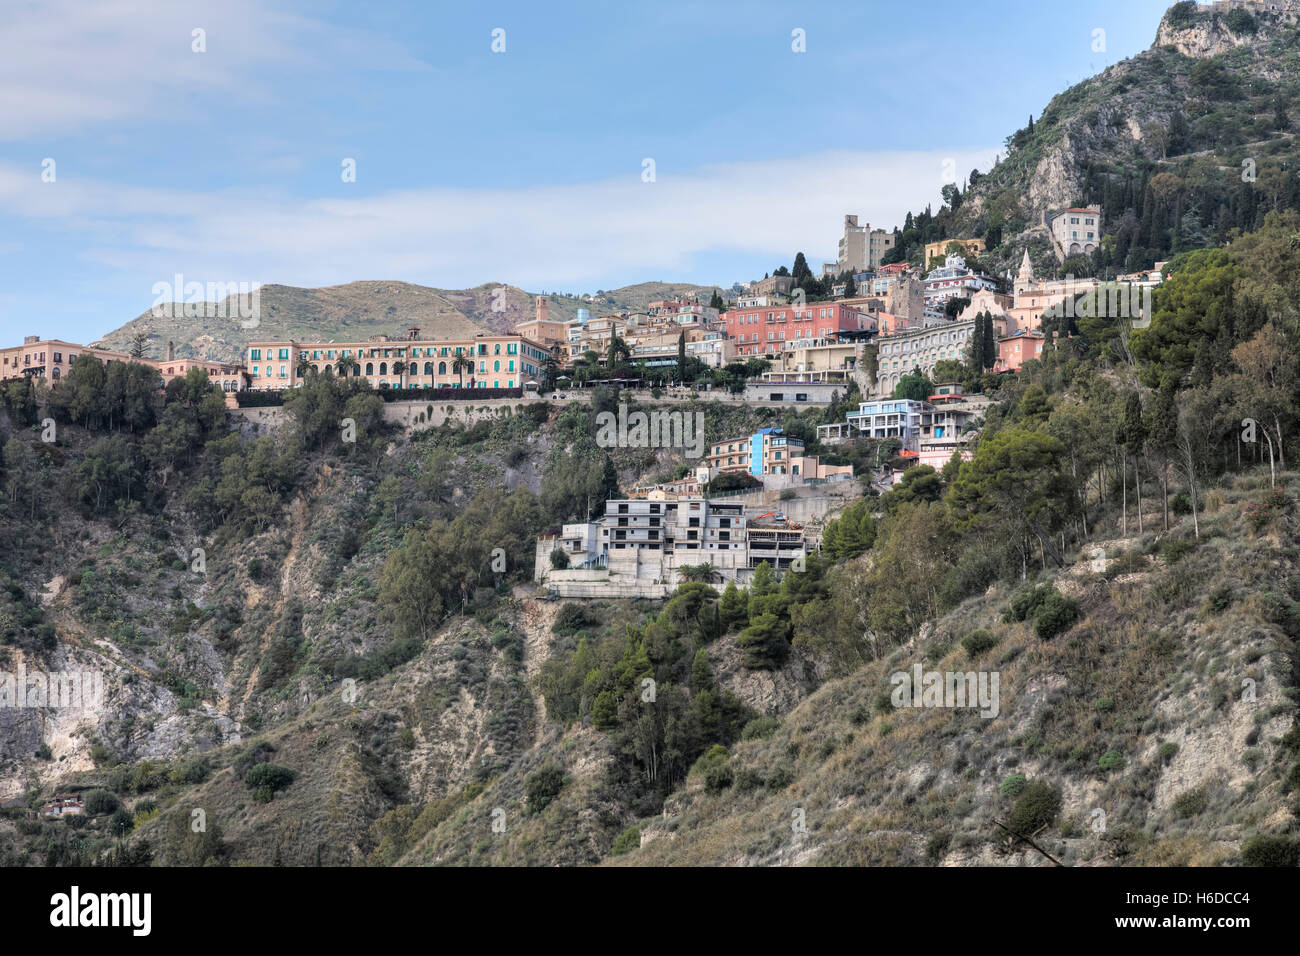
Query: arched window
point(428, 368)
point(442, 368)
point(56, 373)
point(496, 366)
point(383, 368)
point(370, 368)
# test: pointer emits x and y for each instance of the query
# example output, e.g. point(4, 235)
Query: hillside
point(1212, 92)
point(359, 310)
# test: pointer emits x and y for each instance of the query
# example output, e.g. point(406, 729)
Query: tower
point(1025, 277)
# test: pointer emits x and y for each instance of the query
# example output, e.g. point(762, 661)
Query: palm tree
point(304, 365)
point(346, 364)
point(459, 365)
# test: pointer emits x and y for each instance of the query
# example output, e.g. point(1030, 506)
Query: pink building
point(1017, 349)
point(762, 331)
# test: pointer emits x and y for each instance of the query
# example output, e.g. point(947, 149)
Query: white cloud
point(66, 65)
point(570, 237)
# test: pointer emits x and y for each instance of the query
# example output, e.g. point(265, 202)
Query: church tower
point(1025, 277)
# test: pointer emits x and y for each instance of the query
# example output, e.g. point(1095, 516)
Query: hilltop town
point(974, 546)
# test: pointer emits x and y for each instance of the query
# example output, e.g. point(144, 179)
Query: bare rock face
point(768, 692)
point(1209, 34)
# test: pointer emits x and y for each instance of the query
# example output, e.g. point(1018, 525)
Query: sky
point(554, 146)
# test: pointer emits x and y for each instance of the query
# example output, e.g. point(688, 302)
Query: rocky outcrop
point(1209, 33)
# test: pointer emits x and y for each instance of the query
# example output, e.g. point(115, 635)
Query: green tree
point(766, 642)
point(1015, 484)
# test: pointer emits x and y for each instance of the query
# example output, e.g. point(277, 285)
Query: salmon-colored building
point(1017, 349)
point(52, 359)
point(761, 331)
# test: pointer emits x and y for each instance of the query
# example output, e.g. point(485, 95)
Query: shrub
point(1220, 600)
point(121, 822)
point(571, 619)
point(542, 787)
point(780, 778)
point(1056, 615)
point(627, 841)
point(717, 779)
point(1189, 804)
point(1110, 760)
point(978, 642)
point(267, 779)
point(937, 846)
point(1104, 705)
point(1025, 603)
point(1168, 750)
point(1181, 504)
point(1012, 786)
point(1036, 808)
point(1175, 549)
point(98, 802)
point(559, 559)
point(760, 728)
point(1267, 850)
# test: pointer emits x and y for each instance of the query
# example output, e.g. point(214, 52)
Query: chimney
point(171, 351)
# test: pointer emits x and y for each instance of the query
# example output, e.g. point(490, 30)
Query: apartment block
point(763, 332)
point(775, 457)
point(639, 547)
point(861, 248)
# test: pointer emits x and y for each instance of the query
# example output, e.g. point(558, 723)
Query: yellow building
point(939, 250)
point(485, 361)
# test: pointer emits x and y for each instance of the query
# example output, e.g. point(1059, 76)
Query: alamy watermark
point(72, 690)
point(953, 689)
point(179, 299)
point(678, 429)
point(1119, 301)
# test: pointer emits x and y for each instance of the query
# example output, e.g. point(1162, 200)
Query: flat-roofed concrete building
point(643, 544)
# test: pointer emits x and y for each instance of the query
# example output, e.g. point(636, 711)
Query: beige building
point(898, 353)
point(51, 360)
point(813, 360)
point(772, 456)
point(1035, 296)
point(1076, 231)
point(862, 249)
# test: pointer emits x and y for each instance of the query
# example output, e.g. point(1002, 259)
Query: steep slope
point(1213, 91)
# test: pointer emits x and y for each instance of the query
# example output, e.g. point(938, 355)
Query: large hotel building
point(484, 361)
point(51, 360)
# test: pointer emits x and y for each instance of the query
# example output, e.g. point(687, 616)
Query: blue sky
point(524, 166)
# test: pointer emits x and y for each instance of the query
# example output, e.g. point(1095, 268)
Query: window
point(255, 355)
